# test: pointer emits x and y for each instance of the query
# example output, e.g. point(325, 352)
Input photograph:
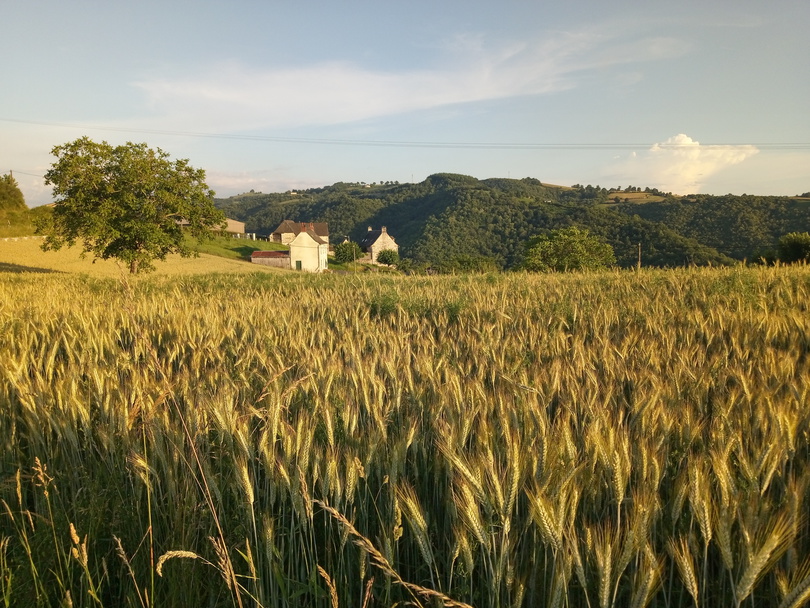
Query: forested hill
point(454, 221)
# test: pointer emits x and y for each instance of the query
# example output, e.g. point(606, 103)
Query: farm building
point(288, 230)
point(376, 241)
point(276, 259)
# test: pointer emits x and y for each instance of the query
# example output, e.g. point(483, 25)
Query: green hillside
point(456, 222)
point(739, 226)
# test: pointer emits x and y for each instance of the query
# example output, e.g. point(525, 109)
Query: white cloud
point(231, 96)
point(680, 164)
point(280, 180)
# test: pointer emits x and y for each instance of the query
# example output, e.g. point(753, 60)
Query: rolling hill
point(452, 221)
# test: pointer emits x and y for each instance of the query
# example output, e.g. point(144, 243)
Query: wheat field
point(270, 440)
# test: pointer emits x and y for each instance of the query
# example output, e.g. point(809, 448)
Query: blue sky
point(685, 96)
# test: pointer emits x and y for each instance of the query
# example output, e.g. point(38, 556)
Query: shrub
point(794, 247)
point(389, 257)
point(568, 249)
point(348, 251)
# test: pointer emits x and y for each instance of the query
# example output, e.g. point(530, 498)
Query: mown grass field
point(275, 439)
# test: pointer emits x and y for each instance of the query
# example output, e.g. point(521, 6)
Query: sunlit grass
point(237, 249)
point(25, 255)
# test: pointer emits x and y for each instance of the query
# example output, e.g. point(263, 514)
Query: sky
point(688, 96)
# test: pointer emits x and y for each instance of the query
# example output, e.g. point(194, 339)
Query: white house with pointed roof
point(308, 251)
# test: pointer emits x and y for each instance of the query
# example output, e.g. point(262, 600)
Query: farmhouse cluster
point(309, 246)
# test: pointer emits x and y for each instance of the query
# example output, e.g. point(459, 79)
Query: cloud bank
point(232, 96)
point(680, 164)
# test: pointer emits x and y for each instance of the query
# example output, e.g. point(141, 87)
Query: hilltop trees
point(126, 202)
point(568, 249)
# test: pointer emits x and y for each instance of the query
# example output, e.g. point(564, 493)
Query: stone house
point(276, 259)
point(376, 241)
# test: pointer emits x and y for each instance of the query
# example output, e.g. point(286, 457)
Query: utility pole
point(638, 264)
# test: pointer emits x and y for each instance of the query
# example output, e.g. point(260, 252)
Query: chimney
point(384, 230)
point(369, 228)
point(303, 227)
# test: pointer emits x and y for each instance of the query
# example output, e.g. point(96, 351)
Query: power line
point(25, 173)
point(414, 144)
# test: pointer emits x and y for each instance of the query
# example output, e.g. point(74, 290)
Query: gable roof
point(371, 237)
point(288, 226)
point(311, 234)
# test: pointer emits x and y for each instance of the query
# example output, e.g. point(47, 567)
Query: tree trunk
point(133, 267)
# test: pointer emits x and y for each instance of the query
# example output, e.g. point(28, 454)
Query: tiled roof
point(316, 238)
point(270, 254)
point(289, 226)
point(370, 238)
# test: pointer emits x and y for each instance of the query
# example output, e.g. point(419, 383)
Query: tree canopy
point(568, 249)
point(11, 197)
point(348, 251)
point(128, 202)
point(389, 257)
point(795, 247)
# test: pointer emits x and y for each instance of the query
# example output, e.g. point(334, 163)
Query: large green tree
point(128, 202)
point(568, 249)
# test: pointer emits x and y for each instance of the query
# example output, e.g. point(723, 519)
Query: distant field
point(26, 256)
point(556, 186)
point(635, 197)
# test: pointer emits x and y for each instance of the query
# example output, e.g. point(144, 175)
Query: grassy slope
point(236, 249)
point(26, 256)
point(223, 254)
